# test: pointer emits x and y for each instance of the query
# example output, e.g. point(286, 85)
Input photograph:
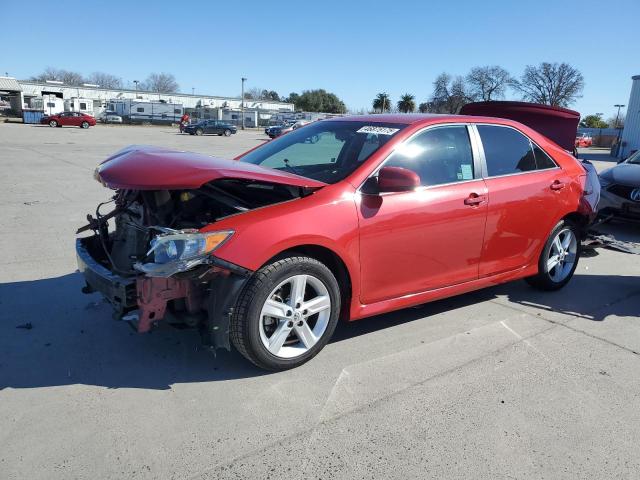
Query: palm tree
point(406, 103)
point(382, 102)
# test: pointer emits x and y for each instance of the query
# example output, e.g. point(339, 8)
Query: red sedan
point(70, 119)
point(378, 213)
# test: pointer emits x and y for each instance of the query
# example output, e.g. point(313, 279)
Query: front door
point(415, 241)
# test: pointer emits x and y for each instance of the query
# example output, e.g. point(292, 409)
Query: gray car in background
point(620, 192)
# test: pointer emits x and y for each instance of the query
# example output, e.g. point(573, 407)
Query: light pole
point(136, 82)
point(242, 103)
point(193, 91)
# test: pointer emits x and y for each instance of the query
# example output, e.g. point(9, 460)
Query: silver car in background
point(620, 192)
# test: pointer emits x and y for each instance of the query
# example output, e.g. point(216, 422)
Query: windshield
point(635, 158)
point(326, 151)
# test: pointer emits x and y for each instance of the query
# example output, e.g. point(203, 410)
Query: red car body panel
point(142, 167)
point(399, 249)
point(391, 262)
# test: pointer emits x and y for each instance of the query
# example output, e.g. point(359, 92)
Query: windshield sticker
point(378, 130)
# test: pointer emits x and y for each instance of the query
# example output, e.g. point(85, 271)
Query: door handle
point(557, 185)
point(474, 199)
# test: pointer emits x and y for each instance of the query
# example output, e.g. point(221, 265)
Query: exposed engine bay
point(149, 260)
point(140, 215)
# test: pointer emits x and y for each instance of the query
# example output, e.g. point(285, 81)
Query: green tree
point(424, 107)
point(406, 104)
point(318, 101)
point(594, 121)
point(382, 102)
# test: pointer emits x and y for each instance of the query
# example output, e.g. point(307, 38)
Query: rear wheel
point(559, 258)
point(286, 314)
point(84, 125)
point(199, 132)
point(53, 123)
point(227, 133)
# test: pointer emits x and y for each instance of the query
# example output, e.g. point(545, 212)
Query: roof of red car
point(402, 118)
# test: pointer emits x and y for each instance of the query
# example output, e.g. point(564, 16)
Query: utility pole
point(193, 91)
point(599, 115)
point(136, 84)
point(242, 102)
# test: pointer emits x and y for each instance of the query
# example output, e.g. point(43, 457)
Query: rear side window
point(542, 159)
point(438, 155)
point(506, 150)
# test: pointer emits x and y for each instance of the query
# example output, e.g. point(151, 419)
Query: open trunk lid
point(143, 167)
point(557, 124)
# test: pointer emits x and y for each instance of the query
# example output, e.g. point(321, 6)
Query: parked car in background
point(277, 130)
point(217, 127)
point(621, 189)
point(381, 212)
point(69, 119)
point(583, 140)
point(110, 117)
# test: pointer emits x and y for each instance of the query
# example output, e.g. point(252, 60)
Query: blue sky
point(352, 48)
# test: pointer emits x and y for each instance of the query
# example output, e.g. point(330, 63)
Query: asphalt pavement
point(506, 382)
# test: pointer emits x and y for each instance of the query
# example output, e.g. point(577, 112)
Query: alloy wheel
point(562, 255)
point(295, 316)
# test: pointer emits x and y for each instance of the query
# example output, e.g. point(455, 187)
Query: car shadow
point(52, 335)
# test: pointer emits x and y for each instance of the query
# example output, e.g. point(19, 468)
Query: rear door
point(416, 241)
point(525, 189)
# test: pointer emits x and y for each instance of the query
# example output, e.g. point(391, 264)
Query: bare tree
point(488, 83)
point(161, 83)
point(557, 84)
point(66, 76)
point(105, 80)
point(449, 94)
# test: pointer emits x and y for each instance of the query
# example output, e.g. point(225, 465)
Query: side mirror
point(397, 179)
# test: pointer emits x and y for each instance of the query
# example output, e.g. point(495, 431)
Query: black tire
point(227, 133)
point(53, 123)
point(84, 125)
point(245, 321)
point(199, 132)
point(543, 280)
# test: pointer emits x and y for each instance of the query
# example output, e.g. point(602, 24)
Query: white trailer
point(75, 104)
point(138, 111)
point(49, 104)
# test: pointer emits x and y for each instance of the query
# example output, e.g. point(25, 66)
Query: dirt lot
point(507, 382)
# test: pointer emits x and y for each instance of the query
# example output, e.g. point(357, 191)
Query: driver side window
point(439, 155)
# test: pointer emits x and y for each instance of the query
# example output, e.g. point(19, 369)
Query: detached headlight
point(181, 251)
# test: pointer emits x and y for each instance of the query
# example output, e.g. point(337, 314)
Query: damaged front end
point(149, 258)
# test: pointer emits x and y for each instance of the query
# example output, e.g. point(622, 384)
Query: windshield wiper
point(290, 167)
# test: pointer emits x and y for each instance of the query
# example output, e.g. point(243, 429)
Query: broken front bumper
point(119, 291)
point(211, 289)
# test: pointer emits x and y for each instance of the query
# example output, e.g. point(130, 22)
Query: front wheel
point(286, 313)
point(53, 123)
point(199, 132)
point(559, 258)
point(227, 133)
point(85, 125)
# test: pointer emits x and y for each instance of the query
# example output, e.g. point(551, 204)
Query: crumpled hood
point(143, 167)
point(623, 174)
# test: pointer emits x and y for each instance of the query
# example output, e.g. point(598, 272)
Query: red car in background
point(69, 119)
point(583, 140)
point(380, 212)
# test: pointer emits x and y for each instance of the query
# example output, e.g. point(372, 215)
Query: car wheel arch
point(333, 261)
